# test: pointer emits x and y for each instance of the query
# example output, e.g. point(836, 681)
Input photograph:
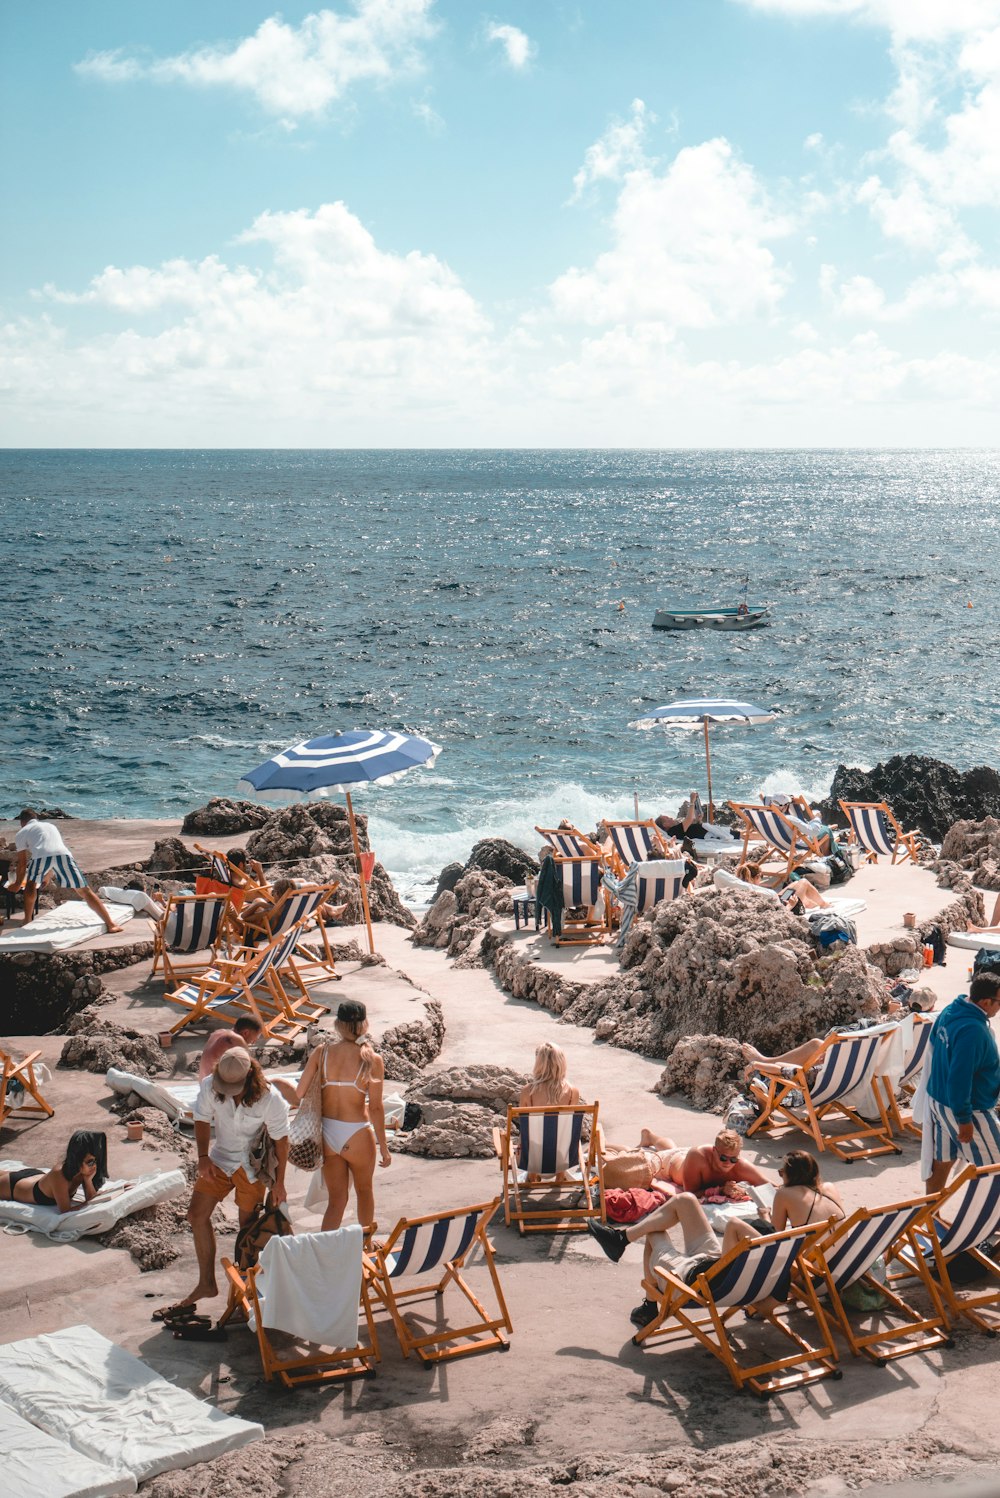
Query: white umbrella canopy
point(699, 712)
point(330, 765)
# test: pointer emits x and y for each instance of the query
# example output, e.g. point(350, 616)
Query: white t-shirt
point(238, 1124)
point(41, 839)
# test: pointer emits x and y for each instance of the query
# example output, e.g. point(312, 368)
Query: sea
point(172, 618)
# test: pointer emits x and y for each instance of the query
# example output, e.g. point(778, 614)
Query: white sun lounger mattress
point(111, 1204)
point(972, 941)
point(66, 926)
point(112, 1408)
point(34, 1464)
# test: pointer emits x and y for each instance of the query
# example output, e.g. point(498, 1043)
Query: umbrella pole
point(361, 872)
point(708, 766)
point(635, 802)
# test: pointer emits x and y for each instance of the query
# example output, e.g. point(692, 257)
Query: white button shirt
point(237, 1125)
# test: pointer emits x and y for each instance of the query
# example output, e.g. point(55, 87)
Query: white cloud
point(621, 147)
point(292, 71)
point(518, 48)
point(924, 20)
point(860, 297)
point(688, 249)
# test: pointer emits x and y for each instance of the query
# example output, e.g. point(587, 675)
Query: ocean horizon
point(176, 616)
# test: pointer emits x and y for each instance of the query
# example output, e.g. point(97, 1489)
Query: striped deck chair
point(569, 843)
point(756, 1269)
point(633, 842)
point(910, 1076)
point(190, 923)
point(308, 1257)
point(439, 1245)
point(249, 982)
point(961, 1221)
point(645, 885)
point(846, 1061)
point(781, 835)
point(875, 828)
point(535, 1149)
point(581, 887)
point(844, 1254)
point(298, 908)
point(20, 1094)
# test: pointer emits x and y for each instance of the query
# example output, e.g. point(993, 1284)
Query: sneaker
point(613, 1240)
point(644, 1313)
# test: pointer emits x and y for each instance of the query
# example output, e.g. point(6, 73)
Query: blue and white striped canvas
point(188, 993)
point(846, 1065)
point(872, 830)
point(549, 1143)
point(633, 841)
point(298, 906)
point(581, 881)
point(192, 922)
point(763, 1269)
point(220, 868)
point(771, 828)
point(975, 1209)
point(427, 1245)
point(273, 957)
point(660, 879)
point(337, 762)
point(857, 1247)
point(567, 844)
point(914, 1063)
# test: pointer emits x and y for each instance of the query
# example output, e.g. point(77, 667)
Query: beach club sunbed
point(633, 842)
point(645, 885)
point(569, 843)
point(846, 1062)
point(20, 1093)
point(190, 924)
point(876, 831)
point(439, 1246)
point(250, 982)
point(542, 1154)
point(298, 908)
point(963, 1220)
point(844, 1254)
point(769, 825)
point(753, 1271)
point(581, 891)
point(315, 1288)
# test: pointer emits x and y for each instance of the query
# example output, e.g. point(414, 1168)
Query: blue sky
point(426, 222)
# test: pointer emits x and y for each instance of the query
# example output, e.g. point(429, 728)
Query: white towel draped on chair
point(309, 1285)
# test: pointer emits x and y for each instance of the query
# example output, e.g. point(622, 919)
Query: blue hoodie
point(965, 1063)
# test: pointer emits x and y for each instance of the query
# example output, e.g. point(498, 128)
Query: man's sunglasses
point(729, 1159)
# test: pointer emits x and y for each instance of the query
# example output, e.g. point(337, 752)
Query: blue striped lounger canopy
point(878, 832)
point(660, 879)
point(635, 841)
point(581, 888)
point(755, 1270)
point(439, 1245)
point(190, 923)
point(846, 1253)
point(963, 1220)
point(536, 1147)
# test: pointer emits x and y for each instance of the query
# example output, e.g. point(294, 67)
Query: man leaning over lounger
point(963, 1085)
point(693, 1168)
point(42, 855)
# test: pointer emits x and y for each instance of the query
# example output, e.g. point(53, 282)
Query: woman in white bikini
point(353, 1118)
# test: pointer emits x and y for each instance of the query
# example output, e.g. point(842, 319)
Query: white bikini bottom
point(336, 1133)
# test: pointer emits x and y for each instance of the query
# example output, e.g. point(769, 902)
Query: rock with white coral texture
point(707, 1069)
point(459, 1107)
point(975, 847)
point(383, 901)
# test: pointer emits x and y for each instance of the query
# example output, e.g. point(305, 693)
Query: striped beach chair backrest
point(581, 880)
point(220, 870)
point(192, 922)
point(772, 827)
point(846, 1065)
point(660, 879)
point(763, 1268)
point(975, 1207)
point(872, 829)
point(549, 1142)
point(567, 844)
point(633, 841)
point(425, 1245)
point(914, 1063)
point(274, 956)
point(854, 1245)
point(298, 905)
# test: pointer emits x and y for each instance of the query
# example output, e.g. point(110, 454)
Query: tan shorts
point(249, 1194)
point(695, 1252)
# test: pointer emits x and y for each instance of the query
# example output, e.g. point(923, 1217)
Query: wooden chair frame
point(801, 847)
point(907, 841)
point(901, 1123)
point(517, 1192)
point(311, 966)
point(696, 1315)
point(22, 1073)
point(917, 1333)
point(656, 839)
point(224, 992)
point(436, 1347)
point(927, 1254)
point(333, 1366)
point(590, 931)
point(203, 957)
point(848, 1145)
point(234, 875)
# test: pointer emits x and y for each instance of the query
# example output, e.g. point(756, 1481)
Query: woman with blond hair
point(351, 1077)
point(548, 1087)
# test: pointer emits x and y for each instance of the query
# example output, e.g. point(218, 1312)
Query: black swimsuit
point(16, 1176)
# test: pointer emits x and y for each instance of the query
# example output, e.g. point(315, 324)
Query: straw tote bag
point(305, 1132)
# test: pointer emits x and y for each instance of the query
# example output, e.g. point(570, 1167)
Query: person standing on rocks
point(963, 1085)
point(42, 855)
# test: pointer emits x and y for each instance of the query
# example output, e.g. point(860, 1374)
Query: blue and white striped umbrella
point(699, 712)
point(331, 765)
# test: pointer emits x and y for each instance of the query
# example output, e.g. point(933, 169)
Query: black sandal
point(182, 1311)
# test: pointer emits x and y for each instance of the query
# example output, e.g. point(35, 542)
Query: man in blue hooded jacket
point(963, 1085)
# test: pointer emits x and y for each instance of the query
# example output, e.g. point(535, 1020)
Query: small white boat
point(713, 616)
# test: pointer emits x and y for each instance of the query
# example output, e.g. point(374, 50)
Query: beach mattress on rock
point(66, 926)
point(112, 1408)
point(34, 1463)
point(974, 941)
point(839, 904)
point(115, 1200)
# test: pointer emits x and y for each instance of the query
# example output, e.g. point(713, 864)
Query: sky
point(431, 223)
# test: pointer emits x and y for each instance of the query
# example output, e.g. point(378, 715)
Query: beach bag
point(864, 1297)
point(631, 1206)
point(840, 865)
point(305, 1131)
point(265, 1222)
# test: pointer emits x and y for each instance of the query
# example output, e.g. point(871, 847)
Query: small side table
point(525, 906)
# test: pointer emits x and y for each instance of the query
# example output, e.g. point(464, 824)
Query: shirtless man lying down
point(693, 1168)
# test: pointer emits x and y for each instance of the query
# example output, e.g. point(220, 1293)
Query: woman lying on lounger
point(86, 1165)
point(797, 894)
